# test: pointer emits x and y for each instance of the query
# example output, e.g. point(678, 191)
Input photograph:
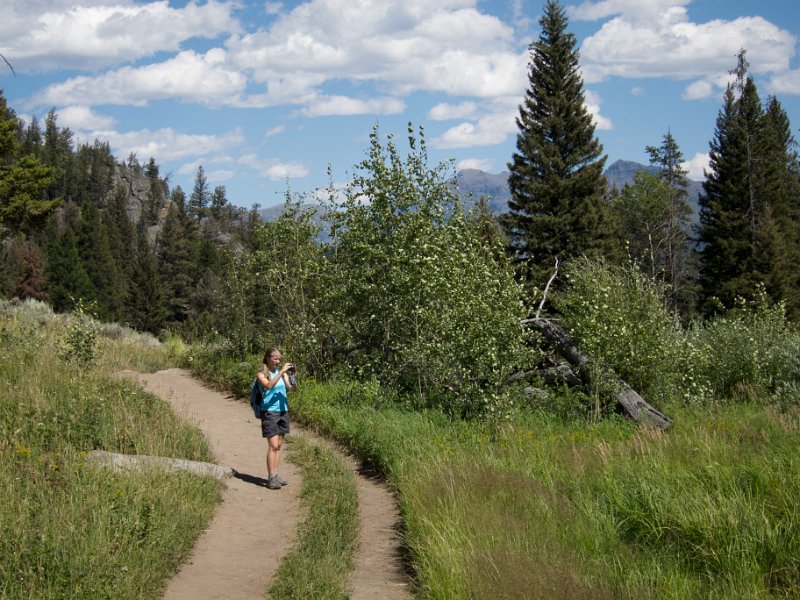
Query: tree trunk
point(636, 407)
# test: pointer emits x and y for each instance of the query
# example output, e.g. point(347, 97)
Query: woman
point(275, 410)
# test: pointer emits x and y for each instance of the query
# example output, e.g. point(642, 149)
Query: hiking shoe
point(273, 483)
point(280, 479)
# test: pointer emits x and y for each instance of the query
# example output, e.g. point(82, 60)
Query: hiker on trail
point(275, 382)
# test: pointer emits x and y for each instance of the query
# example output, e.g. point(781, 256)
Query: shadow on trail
point(259, 481)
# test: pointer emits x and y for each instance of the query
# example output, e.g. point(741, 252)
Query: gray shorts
point(274, 423)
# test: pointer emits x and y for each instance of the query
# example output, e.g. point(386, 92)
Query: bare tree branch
point(546, 288)
point(9, 64)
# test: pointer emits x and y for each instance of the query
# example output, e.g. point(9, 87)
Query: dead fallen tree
point(123, 462)
point(633, 404)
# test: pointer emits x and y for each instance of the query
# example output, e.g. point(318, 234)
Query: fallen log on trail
point(122, 462)
point(636, 407)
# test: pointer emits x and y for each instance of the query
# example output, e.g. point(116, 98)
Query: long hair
point(268, 352)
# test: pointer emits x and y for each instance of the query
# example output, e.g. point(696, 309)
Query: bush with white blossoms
point(618, 316)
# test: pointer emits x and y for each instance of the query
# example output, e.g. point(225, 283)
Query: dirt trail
point(238, 553)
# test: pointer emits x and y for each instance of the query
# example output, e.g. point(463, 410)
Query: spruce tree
point(748, 217)
point(94, 250)
point(144, 305)
point(175, 265)
point(23, 180)
point(67, 280)
point(198, 201)
point(557, 207)
point(781, 185)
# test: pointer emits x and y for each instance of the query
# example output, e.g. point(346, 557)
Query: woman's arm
point(268, 383)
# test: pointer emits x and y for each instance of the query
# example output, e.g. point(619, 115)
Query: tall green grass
point(545, 508)
point(69, 530)
point(542, 505)
point(318, 565)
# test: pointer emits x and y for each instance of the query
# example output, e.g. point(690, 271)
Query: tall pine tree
point(748, 212)
point(557, 207)
point(144, 305)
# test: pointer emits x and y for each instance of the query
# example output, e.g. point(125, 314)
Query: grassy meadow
point(530, 504)
point(545, 506)
point(68, 529)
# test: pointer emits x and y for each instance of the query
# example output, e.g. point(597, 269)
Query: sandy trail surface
point(238, 554)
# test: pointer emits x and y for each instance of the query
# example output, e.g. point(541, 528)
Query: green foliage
point(280, 291)
point(751, 352)
point(618, 317)
point(78, 344)
point(749, 219)
point(22, 189)
point(423, 299)
point(318, 565)
point(66, 275)
point(145, 304)
point(67, 529)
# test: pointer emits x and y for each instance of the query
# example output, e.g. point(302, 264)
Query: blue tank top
point(275, 400)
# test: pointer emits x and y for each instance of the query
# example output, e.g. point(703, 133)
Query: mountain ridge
point(474, 184)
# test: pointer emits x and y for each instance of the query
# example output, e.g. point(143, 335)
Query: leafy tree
point(557, 206)
point(644, 212)
point(279, 286)
point(417, 297)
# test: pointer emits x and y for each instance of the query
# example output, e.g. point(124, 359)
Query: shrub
point(618, 317)
point(750, 352)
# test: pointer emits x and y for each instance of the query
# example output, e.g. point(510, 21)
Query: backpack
point(256, 397)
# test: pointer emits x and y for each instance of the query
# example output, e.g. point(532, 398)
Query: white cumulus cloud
point(786, 83)
point(482, 164)
point(273, 168)
point(402, 47)
point(189, 76)
point(655, 38)
point(445, 111)
point(81, 118)
point(41, 35)
point(696, 165)
point(165, 144)
point(343, 105)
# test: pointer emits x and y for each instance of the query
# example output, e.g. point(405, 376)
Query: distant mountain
point(474, 184)
point(621, 173)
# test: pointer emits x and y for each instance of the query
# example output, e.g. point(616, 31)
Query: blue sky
point(266, 95)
